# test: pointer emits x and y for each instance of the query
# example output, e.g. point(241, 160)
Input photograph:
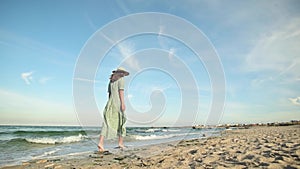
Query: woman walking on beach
point(114, 117)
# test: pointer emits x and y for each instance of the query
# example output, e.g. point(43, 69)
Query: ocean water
point(23, 143)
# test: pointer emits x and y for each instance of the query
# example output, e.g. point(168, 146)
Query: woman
point(114, 118)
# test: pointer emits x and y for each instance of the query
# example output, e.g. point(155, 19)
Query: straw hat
point(121, 70)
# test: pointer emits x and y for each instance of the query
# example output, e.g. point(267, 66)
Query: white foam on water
point(59, 140)
point(154, 137)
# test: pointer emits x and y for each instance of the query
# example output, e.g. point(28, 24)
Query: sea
point(24, 143)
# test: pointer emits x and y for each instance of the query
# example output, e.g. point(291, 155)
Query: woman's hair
point(116, 76)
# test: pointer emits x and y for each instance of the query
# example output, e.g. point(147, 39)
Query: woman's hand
point(123, 107)
point(121, 95)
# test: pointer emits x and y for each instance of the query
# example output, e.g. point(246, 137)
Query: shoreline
point(256, 147)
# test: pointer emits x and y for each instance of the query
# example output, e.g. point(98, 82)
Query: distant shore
point(256, 147)
point(245, 126)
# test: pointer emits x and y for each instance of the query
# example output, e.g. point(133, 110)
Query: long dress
point(114, 119)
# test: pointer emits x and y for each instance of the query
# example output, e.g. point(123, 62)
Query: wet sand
point(256, 147)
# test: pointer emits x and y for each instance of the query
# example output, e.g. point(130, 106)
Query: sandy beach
point(256, 147)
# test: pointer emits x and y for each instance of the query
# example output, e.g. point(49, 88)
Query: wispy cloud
point(129, 96)
point(90, 22)
point(27, 77)
point(162, 40)
point(123, 7)
point(295, 101)
point(277, 50)
point(86, 80)
point(259, 81)
point(44, 80)
point(166, 44)
point(51, 54)
point(175, 61)
point(161, 30)
point(127, 50)
point(171, 53)
point(107, 38)
point(276, 55)
point(277, 76)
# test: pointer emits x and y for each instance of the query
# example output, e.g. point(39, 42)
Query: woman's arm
point(121, 95)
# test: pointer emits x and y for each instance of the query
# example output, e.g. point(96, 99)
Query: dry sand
point(257, 147)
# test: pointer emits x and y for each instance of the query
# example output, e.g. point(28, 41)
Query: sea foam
point(58, 140)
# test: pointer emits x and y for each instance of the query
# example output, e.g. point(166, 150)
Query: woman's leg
point(121, 145)
point(101, 143)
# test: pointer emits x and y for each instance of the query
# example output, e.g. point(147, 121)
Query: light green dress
point(114, 118)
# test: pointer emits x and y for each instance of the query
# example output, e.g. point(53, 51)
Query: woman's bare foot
point(121, 146)
point(101, 148)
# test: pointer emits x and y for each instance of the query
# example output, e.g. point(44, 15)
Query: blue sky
point(257, 42)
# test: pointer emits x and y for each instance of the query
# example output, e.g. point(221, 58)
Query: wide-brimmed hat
point(121, 70)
